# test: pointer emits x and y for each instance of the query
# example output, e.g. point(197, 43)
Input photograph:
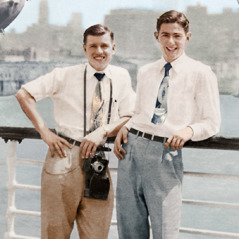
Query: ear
point(84, 47)
point(189, 34)
point(113, 48)
point(156, 35)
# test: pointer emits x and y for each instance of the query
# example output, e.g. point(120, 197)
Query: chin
point(97, 66)
point(172, 58)
point(100, 68)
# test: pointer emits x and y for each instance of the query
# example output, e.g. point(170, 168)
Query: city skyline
point(46, 42)
point(60, 11)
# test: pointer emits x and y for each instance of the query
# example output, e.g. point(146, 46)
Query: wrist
point(106, 129)
point(42, 130)
point(191, 129)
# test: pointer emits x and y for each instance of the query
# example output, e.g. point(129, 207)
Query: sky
point(93, 11)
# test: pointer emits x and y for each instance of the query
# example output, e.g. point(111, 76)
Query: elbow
point(22, 96)
point(18, 95)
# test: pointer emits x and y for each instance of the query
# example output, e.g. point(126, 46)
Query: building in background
point(214, 41)
point(43, 41)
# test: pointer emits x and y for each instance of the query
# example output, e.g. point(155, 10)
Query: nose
point(99, 50)
point(171, 40)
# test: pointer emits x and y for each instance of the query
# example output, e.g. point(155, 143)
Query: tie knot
point(99, 76)
point(167, 67)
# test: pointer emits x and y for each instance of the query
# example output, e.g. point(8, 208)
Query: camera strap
point(110, 102)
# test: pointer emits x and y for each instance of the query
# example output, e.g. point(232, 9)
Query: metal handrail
point(19, 133)
point(216, 142)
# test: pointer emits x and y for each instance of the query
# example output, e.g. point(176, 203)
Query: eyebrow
point(174, 33)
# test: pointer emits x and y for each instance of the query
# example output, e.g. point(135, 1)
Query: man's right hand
point(120, 138)
point(56, 143)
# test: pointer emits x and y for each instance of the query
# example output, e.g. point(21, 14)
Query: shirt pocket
point(114, 110)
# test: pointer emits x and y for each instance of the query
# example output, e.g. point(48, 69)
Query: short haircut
point(97, 30)
point(172, 17)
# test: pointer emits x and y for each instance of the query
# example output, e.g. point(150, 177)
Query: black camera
point(97, 182)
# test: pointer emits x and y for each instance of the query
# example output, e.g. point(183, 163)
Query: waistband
point(70, 140)
point(78, 143)
point(147, 136)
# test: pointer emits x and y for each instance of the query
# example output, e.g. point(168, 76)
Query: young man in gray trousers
point(177, 100)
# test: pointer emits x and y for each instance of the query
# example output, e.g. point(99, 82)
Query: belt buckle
point(72, 142)
point(152, 136)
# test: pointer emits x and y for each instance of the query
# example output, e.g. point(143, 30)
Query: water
point(213, 161)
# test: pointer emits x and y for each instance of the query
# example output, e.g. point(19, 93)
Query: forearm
point(208, 120)
point(95, 138)
point(113, 128)
point(28, 105)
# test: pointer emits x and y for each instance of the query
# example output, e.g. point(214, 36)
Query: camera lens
point(97, 166)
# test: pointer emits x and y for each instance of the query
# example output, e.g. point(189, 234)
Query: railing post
point(11, 163)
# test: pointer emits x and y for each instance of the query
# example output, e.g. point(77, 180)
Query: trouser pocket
point(56, 165)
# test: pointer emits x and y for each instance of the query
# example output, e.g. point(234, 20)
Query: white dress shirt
point(193, 99)
point(65, 86)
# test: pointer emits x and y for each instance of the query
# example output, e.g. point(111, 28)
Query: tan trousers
point(62, 201)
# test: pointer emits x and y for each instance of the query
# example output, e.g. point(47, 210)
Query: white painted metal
point(12, 185)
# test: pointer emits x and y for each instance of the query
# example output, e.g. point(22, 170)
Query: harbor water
point(195, 160)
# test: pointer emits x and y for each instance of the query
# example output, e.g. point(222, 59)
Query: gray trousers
point(149, 185)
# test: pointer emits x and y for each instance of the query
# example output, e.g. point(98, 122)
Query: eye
point(164, 35)
point(104, 46)
point(177, 36)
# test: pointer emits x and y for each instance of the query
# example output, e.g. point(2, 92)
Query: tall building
point(43, 41)
point(134, 32)
point(43, 17)
point(214, 39)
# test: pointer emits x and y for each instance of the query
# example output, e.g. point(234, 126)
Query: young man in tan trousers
point(63, 180)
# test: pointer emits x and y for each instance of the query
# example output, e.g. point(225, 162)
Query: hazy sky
point(93, 11)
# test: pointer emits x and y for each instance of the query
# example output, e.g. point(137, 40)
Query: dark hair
point(97, 30)
point(172, 17)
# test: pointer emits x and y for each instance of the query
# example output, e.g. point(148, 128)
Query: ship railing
point(17, 134)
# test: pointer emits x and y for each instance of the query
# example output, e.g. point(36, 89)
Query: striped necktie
point(98, 103)
point(160, 111)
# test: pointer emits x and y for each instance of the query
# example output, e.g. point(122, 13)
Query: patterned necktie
point(160, 111)
point(96, 119)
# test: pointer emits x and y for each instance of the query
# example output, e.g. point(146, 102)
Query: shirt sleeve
point(138, 98)
point(208, 106)
point(44, 86)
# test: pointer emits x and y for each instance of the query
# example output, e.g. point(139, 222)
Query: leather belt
point(70, 140)
point(146, 135)
point(78, 143)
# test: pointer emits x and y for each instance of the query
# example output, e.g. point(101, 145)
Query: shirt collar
point(91, 71)
point(176, 64)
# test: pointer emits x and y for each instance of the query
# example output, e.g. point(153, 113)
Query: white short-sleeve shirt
point(65, 86)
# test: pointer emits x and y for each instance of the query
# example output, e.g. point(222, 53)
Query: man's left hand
point(91, 142)
point(179, 138)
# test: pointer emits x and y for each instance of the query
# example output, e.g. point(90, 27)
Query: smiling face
point(172, 39)
point(99, 50)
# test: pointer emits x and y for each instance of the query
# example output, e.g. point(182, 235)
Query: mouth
point(171, 49)
point(99, 58)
